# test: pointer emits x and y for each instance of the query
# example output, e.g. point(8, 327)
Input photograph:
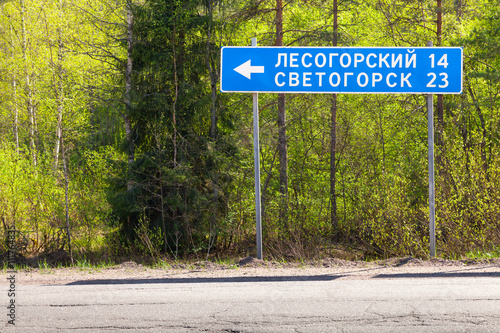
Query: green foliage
point(484, 42)
point(148, 241)
point(189, 190)
point(177, 175)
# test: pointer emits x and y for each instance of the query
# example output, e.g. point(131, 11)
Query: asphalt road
point(402, 302)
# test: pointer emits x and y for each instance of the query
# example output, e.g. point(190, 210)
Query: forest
point(115, 139)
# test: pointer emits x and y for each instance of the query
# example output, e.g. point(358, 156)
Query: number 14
point(442, 62)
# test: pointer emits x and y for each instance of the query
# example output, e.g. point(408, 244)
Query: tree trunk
point(333, 134)
point(212, 74)
point(29, 89)
point(439, 103)
point(66, 197)
point(14, 87)
point(128, 92)
point(282, 140)
point(16, 115)
point(176, 82)
point(162, 201)
point(459, 10)
point(58, 87)
point(213, 127)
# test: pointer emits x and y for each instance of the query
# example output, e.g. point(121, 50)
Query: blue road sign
point(363, 70)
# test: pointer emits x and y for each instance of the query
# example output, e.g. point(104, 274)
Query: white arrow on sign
point(246, 69)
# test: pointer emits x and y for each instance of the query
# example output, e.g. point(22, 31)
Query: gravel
point(251, 267)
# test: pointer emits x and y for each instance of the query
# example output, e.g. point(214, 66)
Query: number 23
point(444, 80)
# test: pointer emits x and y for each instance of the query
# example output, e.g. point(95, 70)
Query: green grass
point(16, 267)
point(43, 265)
point(161, 264)
point(104, 264)
point(86, 264)
point(83, 263)
point(478, 254)
point(230, 262)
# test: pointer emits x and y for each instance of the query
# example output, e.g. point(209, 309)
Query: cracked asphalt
point(333, 299)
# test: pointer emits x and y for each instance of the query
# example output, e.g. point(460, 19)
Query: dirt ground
point(251, 267)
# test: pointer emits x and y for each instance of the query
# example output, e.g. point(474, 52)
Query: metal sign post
point(430, 149)
point(258, 222)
